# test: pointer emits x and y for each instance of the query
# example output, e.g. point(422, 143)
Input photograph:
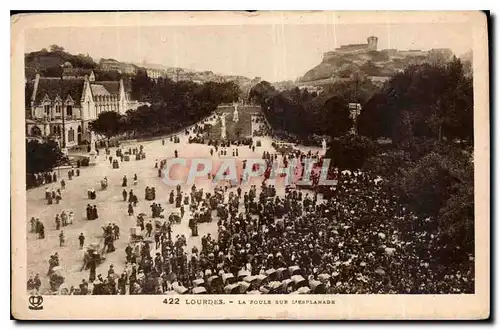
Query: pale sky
point(273, 52)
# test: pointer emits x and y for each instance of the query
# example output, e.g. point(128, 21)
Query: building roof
point(111, 87)
point(28, 91)
point(52, 87)
point(99, 90)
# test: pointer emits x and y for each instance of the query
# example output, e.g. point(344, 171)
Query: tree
point(42, 157)
point(376, 118)
point(108, 123)
point(261, 92)
point(440, 186)
point(350, 152)
point(230, 92)
point(387, 164)
point(336, 117)
point(432, 101)
point(112, 75)
point(56, 49)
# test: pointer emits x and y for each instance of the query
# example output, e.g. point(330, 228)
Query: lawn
point(242, 129)
point(214, 132)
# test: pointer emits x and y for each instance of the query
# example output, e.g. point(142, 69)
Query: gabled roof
point(99, 90)
point(28, 92)
point(52, 87)
point(111, 87)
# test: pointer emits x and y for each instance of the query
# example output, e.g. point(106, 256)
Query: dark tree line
point(428, 101)
point(173, 106)
point(165, 90)
point(303, 113)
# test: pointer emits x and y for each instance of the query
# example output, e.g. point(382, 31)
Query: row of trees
point(165, 90)
point(428, 101)
point(303, 113)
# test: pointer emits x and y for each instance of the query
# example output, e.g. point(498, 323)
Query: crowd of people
point(358, 241)
point(54, 195)
point(37, 227)
point(39, 179)
point(354, 240)
point(62, 220)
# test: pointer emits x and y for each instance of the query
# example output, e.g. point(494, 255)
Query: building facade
point(121, 67)
point(155, 73)
point(78, 99)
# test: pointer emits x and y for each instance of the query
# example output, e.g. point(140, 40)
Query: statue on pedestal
point(235, 113)
point(92, 152)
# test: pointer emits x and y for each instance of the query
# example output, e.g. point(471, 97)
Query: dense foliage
point(172, 106)
point(428, 101)
point(182, 94)
point(108, 124)
point(350, 152)
point(302, 113)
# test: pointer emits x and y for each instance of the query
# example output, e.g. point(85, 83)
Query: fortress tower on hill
point(370, 46)
point(372, 43)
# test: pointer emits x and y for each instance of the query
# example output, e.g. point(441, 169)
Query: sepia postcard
point(250, 165)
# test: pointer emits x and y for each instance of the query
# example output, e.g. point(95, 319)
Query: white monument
point(223, 127)
point(93, 152)
point(235, 113)
point(323, 145)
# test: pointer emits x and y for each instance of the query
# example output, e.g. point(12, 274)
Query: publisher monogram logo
point(35, 302)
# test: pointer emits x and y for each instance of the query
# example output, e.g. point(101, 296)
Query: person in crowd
point(61, 238)
point(81, 239)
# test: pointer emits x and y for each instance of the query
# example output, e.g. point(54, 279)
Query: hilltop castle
point(365, 60)
point(370, 46)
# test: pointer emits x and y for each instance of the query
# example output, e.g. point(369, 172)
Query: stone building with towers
point(370, 46)
point(78, 97)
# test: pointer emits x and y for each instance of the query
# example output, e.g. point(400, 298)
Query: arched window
point(69, 110)
point(71, 135)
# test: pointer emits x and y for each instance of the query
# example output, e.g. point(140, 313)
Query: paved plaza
point(112, 208)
